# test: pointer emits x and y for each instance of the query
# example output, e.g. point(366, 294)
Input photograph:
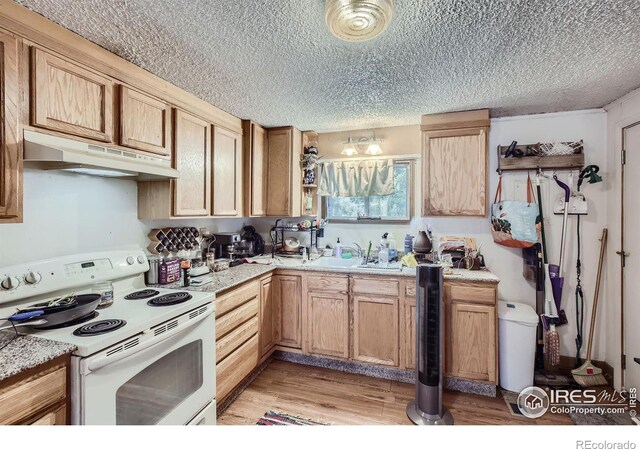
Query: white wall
point(622, 112)
point(68, 213)
point(588, 125)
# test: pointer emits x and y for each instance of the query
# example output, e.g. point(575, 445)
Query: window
point(396, 207)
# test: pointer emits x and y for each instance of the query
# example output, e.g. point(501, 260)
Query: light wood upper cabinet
point(454, 163)
point(227, 173)
point(328, 323)
point(71, 99)
point(284, 176)
point(255, 164)
point(192, 191)
point(375, 330)
point(10, 150)
point(268, 323)
point(287, 290)
point(145, 122)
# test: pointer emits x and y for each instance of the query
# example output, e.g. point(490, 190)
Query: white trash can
point(517, 331)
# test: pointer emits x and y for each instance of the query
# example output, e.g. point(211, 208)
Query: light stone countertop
point(26, 352)
point(240, 274)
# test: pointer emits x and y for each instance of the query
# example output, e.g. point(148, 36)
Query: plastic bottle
point(383, 254)
point(408, 243)
point(338, 249)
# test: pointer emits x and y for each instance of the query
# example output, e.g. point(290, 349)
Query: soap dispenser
point(338, 249)
point(383, 254)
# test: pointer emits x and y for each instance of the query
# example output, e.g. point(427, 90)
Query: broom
point(589, 375)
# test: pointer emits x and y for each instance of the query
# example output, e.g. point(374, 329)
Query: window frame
point(410, 163)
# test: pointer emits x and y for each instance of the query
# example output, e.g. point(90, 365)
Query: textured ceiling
point(274, 61)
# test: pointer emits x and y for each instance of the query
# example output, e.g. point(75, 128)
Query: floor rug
point(273, 418)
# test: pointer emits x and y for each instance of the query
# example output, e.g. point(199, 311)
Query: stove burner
point(142, 294)
point(82, 319)
point(170, 299)
point(98, 328)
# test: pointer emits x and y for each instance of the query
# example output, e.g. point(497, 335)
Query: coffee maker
point(223, 241)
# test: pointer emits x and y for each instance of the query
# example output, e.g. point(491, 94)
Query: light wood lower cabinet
point(38, 396)
point(237, 339)
point(375, 330)
point(268, 322)
point(69, 98)
point(328, 323)
point(287, 290)
point(410, 334)
point(471, 341)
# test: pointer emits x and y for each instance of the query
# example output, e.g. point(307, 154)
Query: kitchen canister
point(153, 275)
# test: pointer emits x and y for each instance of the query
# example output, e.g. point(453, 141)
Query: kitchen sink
point(333, 262)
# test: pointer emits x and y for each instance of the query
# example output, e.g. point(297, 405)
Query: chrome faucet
point(360, 251)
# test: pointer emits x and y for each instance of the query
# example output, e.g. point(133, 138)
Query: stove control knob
point(141, 259)
point(32, 278)
point(131, 260)
point(9, 283)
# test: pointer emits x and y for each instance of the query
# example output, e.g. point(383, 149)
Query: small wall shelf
point(560, 162)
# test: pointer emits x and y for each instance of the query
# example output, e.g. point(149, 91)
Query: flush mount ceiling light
point(358, 20)
point(349, 148)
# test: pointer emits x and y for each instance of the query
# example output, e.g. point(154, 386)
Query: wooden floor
point(342, 398)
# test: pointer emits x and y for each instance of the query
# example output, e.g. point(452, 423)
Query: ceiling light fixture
point(358, 20)
point(349, 148)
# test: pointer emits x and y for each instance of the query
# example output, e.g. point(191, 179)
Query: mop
point(589, 375)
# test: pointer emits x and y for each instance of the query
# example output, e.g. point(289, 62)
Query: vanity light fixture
point(349, 148)
point(374, 148)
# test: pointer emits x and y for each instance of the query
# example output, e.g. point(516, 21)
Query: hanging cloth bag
point(514, 223)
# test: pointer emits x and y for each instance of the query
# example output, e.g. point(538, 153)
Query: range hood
point(48, 152)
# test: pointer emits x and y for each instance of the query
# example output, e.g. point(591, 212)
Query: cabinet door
point(284, 175)
point(71, 99)
point(287, 291)
point(410, 334)
point(375, 330)
point(268, 322)
point(192, 191)
point(472, 341)
point(145, 123)
point(10, 151)
point(454, 172)
point(328, 324)
point(256, 170)
point(227, 173)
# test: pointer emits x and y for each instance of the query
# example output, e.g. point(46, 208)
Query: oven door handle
point(104, 359)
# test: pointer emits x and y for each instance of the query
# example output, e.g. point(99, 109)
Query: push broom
point(589, 375)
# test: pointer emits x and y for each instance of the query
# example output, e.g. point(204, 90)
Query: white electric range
point(149, 358)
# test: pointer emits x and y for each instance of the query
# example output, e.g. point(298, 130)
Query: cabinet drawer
point(19, 401)
point(231, 299)
point(466, 293)
point(236, 317)
point(328, 283)
point(233, 369)
point(373, 286)
point(236, 338)
point(57, 417)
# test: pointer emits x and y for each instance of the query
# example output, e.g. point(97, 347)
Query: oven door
point(164, 376)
